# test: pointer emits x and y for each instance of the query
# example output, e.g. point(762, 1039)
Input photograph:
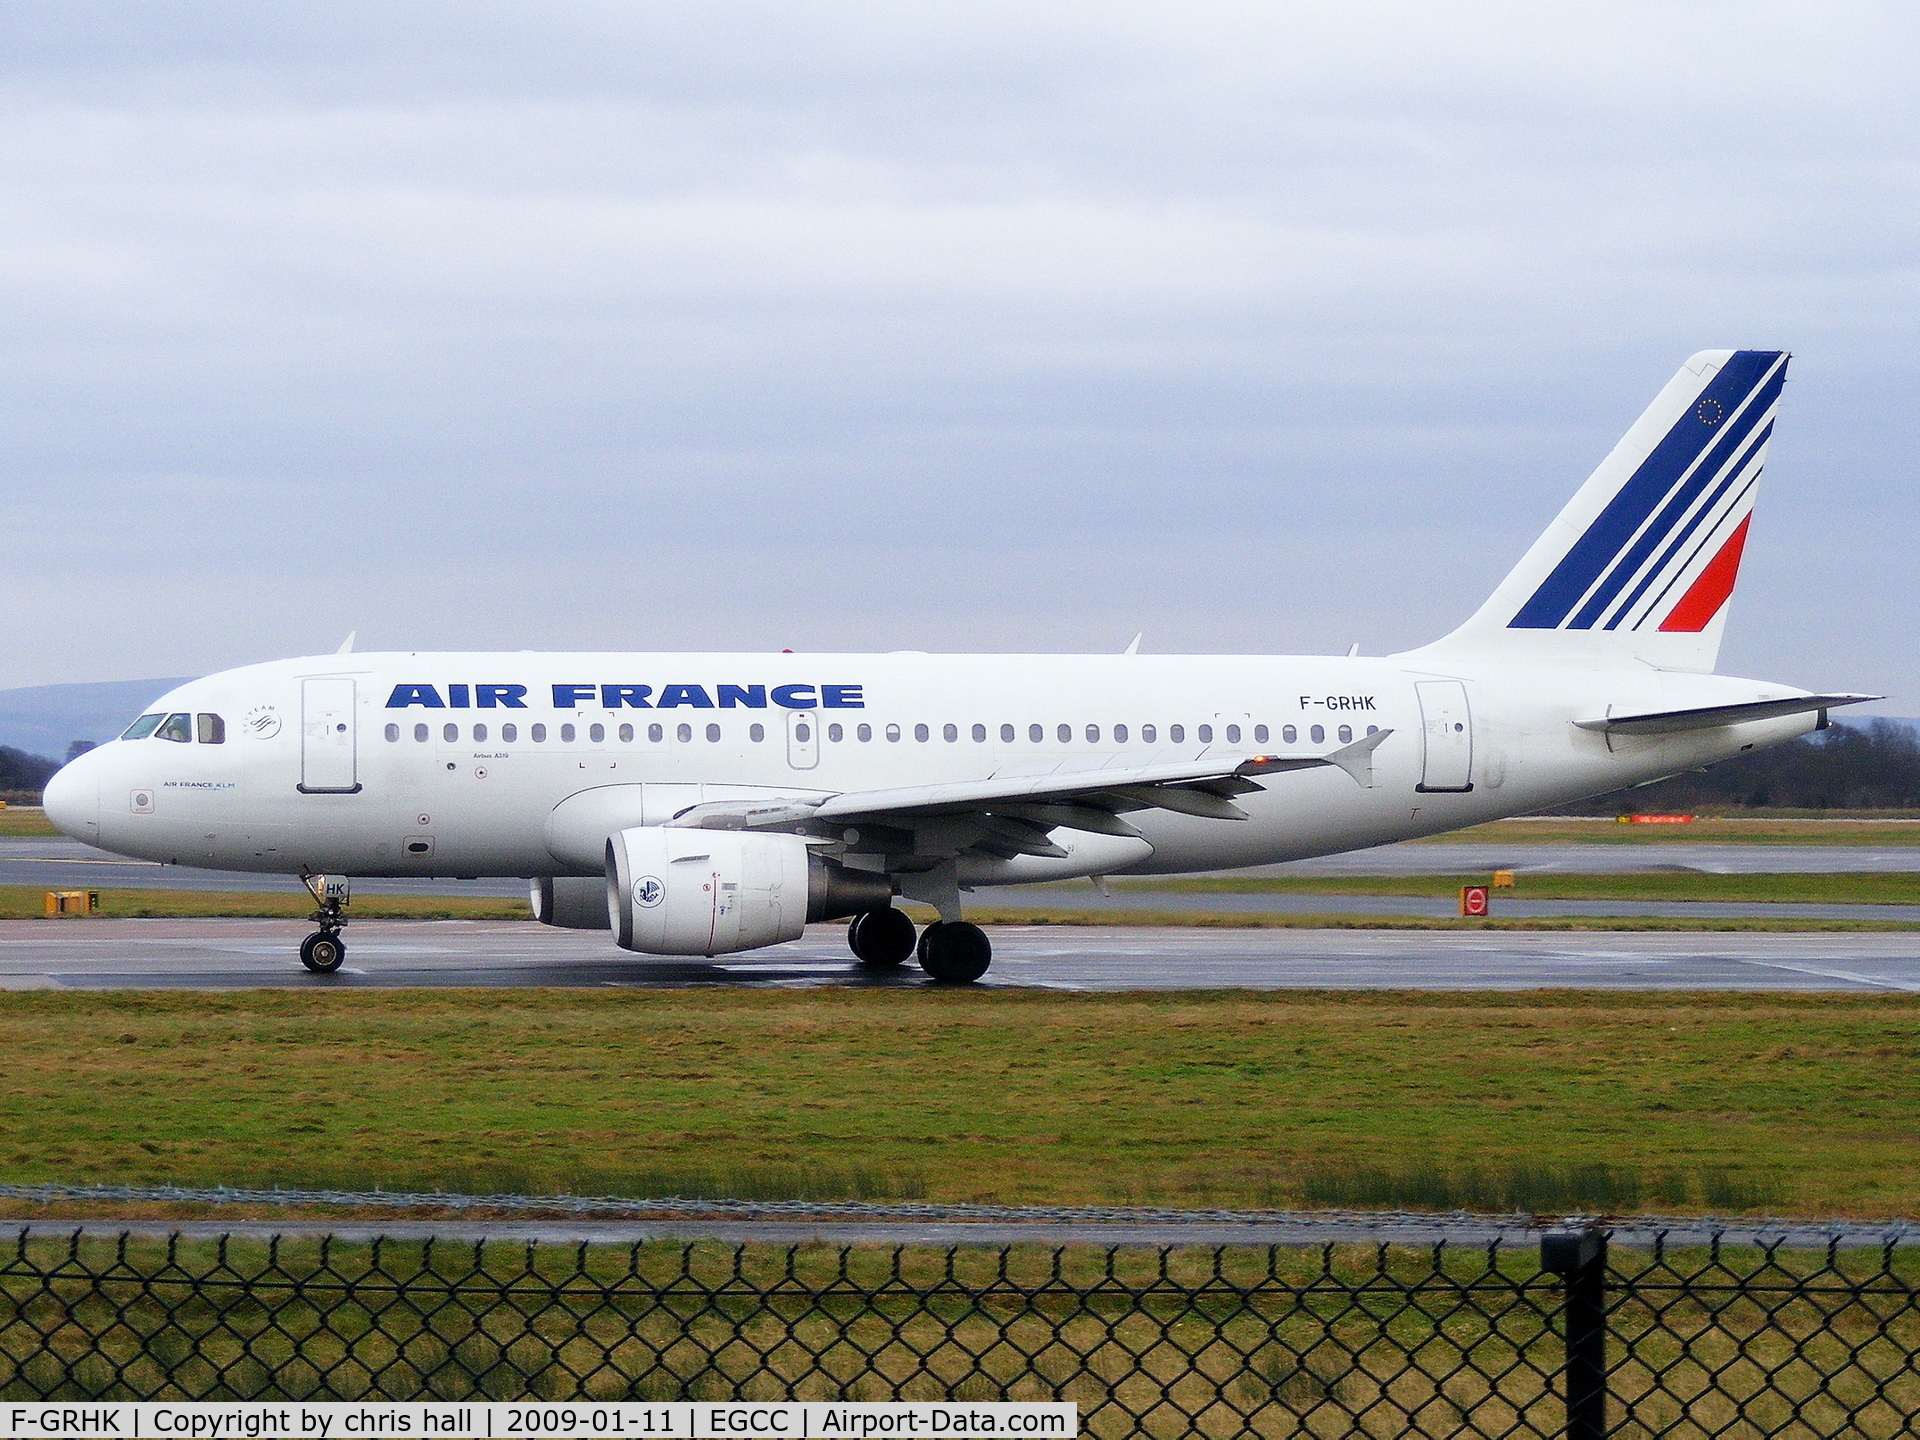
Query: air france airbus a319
point(702, 804)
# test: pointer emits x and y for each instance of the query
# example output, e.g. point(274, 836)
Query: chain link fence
point(1563, 1338)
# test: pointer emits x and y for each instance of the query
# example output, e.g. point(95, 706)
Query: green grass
point(1337, 920)
point(29, 902)
point(1806, 1104)
point(23, 902)
point(19, 820)
point(1851, 888)
point(1757, 828)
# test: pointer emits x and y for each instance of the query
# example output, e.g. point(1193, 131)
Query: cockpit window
point(209, 729)
point(142, 727)
point(176, 727)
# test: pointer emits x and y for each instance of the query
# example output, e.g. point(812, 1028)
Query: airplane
point(702, 804)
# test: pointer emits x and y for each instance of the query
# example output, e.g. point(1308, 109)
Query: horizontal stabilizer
point(1709, 717)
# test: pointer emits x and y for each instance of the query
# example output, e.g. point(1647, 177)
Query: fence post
point(1580, 1258)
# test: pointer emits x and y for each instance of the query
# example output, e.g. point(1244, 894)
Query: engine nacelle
point(711, 892)
point(570, 902)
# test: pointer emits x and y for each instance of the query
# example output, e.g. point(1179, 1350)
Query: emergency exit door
point(327, 764)
point(1446, 729)
point(803, 739)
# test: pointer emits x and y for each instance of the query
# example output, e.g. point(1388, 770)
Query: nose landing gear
point(323, 952)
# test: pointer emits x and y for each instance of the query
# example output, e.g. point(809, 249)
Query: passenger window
point(1318, 734)
point(420, 733)
point(393, 732)
point(625, 733)
point(538, 732)
point(950, 733)
point(210, 729)
point(1119, 734)
point(1065, 732)
point(1233, 734)
point(713, 734)
point(479, 732)
point(922, 734)
point(509, 732)
point(178, 728)
point(979, 734)
point(1148, 735)
point(836, 732)
point(1006, 734)
point(449, 733)
point(1093, 734)
point(1259, 734)
point(863, 733)
point(1346, 734)
point(893, 732)
point(1373, 729)
point(567, 733)
point(758, 732)
point(1206, 734)
point(1036, 734)
point(1177, 734)
point(142, 727)
point(683, 732)
point(1289, 734)
point(655, 734)
point(596, 733)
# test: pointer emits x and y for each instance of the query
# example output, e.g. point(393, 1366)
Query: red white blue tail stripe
point(1664, 551)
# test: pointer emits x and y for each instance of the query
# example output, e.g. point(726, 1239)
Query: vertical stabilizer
point(1640, 564)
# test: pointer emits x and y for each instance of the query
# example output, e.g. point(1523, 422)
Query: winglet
point(346, 645)
point(1133, 645)
point(1356, 759)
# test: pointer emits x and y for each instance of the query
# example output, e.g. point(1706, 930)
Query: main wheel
point(323, 952)
point(881, 939)
point(954, 952)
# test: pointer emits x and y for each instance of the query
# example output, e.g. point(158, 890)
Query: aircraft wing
point(1708, 717)
point(1074, 797)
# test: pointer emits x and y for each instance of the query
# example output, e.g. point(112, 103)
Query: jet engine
point(671, 891)
point(571, 902)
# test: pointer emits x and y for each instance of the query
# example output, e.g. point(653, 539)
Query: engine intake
point(671, 891)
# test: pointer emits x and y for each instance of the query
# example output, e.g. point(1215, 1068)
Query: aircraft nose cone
point(72, 799)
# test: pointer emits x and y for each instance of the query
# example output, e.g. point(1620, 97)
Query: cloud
point(863, 326)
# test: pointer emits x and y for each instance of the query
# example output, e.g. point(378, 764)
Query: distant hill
point(45, 719)
point(1860, 764)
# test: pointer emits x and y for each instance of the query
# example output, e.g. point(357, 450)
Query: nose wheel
point(323, 952)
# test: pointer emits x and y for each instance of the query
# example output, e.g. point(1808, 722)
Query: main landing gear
point(952, 952)
point(323, 952)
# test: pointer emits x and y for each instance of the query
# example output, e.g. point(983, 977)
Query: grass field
point(1762, 829)
point(29, 902)
point(14, 820)
point(1850, 887)
point(1802, 1104)
point(24, 902)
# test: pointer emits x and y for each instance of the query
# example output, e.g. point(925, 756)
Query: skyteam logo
point(1665, 550)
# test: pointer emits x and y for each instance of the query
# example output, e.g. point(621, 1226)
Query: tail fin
point(1640, 563)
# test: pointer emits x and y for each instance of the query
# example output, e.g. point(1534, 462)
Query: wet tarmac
point(239, 954)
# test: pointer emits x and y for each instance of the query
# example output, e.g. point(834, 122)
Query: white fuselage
point(455, 764)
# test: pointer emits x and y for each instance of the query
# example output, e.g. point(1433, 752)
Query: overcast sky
point(956, 327)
